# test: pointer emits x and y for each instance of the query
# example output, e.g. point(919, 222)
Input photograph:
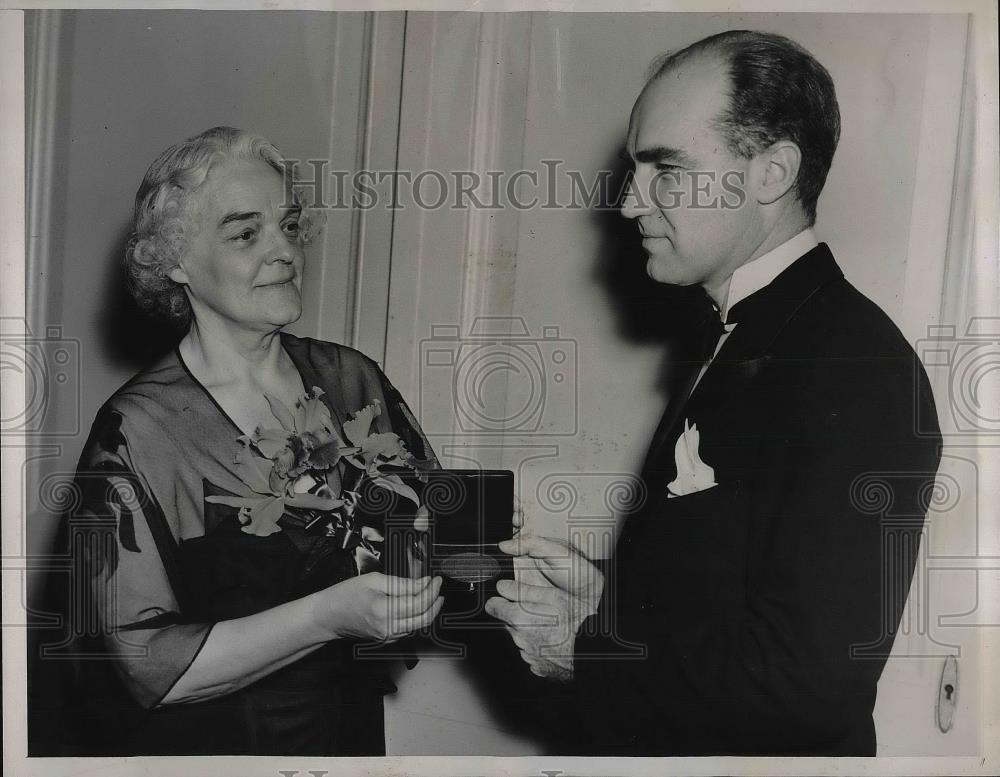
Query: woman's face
point(244, 255)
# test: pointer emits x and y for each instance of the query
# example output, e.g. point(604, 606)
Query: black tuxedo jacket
point(755, 617)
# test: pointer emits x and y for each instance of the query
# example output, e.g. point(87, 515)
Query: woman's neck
point(220, 355)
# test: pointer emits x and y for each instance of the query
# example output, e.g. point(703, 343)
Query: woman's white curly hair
point(159, 220)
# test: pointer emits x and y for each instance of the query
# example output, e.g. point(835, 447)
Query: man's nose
point(635, 203)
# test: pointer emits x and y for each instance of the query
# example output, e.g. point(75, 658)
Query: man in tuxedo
point(757, 589)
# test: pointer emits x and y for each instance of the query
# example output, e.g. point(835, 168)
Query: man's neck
point(781, 233)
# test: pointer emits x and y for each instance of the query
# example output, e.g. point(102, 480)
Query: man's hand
point(525, 567)
point(555, 590)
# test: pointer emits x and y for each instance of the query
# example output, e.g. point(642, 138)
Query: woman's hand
point(379, 607)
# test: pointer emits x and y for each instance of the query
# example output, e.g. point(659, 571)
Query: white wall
point(470, 91)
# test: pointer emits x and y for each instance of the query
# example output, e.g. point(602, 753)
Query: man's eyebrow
point(655, 154)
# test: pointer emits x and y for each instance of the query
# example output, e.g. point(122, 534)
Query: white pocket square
point(693, 474)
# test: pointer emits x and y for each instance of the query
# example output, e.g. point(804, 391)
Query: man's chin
point(660, 271)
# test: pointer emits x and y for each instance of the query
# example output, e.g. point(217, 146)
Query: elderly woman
point(233, 591)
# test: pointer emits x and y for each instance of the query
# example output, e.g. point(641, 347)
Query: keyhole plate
point(947, 694)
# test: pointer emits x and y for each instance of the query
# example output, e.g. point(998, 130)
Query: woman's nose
point(281, 256)
point(281, 249)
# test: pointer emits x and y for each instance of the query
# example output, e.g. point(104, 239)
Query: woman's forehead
point(250, 184)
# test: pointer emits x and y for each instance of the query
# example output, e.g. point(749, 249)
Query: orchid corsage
point(290, 471)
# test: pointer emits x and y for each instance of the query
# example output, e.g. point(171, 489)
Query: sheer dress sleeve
point(132, 589)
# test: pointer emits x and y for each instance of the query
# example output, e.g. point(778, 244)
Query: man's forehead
point(682, 102)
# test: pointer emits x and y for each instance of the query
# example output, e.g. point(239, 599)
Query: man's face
point(688, 194)
point(244, 254)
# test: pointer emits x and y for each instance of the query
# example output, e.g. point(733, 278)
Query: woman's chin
point(288, 320)
point(281, 304)
point(284, 317)
point(272, 317)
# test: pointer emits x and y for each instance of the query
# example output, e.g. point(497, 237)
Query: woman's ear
point(778, 170)
point(177, 274)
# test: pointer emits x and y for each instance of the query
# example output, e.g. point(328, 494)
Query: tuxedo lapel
point(760, 319)
point(764, 314)
point(709, 331)
point(725, 378)
point(671, 416)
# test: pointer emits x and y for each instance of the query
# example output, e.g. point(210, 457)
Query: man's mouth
point(650, 235)
point(656, 244)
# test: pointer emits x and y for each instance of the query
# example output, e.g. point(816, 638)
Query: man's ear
point(777, 170)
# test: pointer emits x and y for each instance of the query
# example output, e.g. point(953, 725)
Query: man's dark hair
point(778, 91)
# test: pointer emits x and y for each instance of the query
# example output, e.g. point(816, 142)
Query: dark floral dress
point(161, 565)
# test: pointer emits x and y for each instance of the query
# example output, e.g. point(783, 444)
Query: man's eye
point(244, 236)
point(291, 227)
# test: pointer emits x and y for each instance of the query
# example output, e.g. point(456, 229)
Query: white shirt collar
point(755, 275)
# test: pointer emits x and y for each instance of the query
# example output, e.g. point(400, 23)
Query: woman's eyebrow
point(239, 216)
